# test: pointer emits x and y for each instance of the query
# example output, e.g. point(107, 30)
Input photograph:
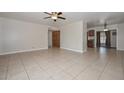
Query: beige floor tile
point(90, 73)
point(2, 75)
point(60, 64)
point(17, 76)
point(37, 74)
point(113, 73)
point(61, 75)
point(75, 70)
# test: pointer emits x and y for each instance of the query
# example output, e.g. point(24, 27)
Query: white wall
point(113, 39)
point(23, 36)
point(50, 39)
point(72, 36)
point(1, 37)
point(120, 37)
point(84, 36)
point(52, 28)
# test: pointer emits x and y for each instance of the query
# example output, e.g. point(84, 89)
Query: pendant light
point(105, 27)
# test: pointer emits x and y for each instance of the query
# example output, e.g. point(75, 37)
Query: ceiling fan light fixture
point(54, 17)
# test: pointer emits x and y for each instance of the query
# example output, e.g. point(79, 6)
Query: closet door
point(56, 39)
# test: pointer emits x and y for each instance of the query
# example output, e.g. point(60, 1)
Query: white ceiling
point(92, 18)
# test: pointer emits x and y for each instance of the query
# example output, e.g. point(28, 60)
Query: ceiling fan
point(54, 15)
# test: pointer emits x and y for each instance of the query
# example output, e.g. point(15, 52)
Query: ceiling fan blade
point(62, 18)
point(59, 13)
point(47, 13)
point(47, 17)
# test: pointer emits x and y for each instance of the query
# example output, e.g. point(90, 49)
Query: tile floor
point(60, 64)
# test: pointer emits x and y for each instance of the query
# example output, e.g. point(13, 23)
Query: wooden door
point(56, 39)
point(90, 39)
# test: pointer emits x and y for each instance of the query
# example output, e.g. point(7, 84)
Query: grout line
point(87, 66)
point(107, 63)
point(82, 71)
point(24, 67)
point(47, 72)
point(67, 72)
point(40, 66)
point(103, 70)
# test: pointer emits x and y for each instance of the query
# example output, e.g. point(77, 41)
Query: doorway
point(54, 39)
point(90, 38)
point(106, 39)
point(102, 39)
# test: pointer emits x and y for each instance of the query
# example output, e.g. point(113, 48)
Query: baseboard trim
point(85, 51)
point(21, 51)
point(72, 50)
point(120, 49)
